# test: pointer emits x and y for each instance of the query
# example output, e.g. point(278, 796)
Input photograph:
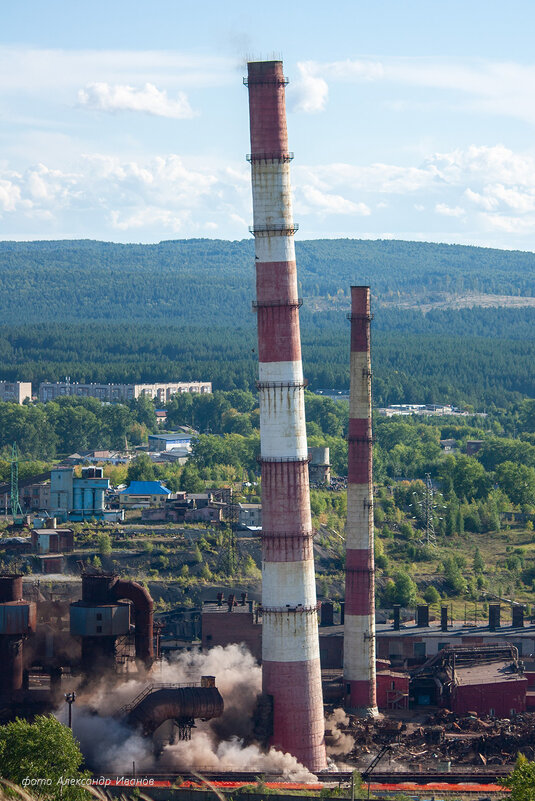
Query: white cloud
point(162, 193)
point(9, 195)
point(509, 224)
point(482, 195)
point(327, 203)
point(449, 211)
point(149, 217)
point(383, 178)
point(490, 87)
point(34, 70)
point(148, 99)
point(309, 93)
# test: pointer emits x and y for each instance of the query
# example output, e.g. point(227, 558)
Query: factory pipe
point(175, 703)
point(290, 644)
point(359, 625)
point(143, 616)
point(17, 620)
point(103, 589)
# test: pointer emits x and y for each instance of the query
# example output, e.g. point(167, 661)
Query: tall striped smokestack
point(359, 624)
point(290, 644)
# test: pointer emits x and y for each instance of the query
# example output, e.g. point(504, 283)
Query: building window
point(419, 649)
point(393, 685)
point(492, 712)
point(99, 616)
point(99, 629)
point(512, 712)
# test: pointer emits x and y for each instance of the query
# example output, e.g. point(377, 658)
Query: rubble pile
point(441, 738)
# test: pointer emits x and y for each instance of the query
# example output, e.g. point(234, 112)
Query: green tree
point(470, 479)
point(517, 481)
point(478, 563)
point(521, 781)
point(144, 411)
point(104, 544)
point(45, 750)
point(403, 591)
point(190, 479)
point(141, 469)
point(431, 595)
point(453, 577)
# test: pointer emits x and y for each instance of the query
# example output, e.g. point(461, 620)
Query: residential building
point(143, 494)
point(250, 515)
point(35, 497)
point(161, 416)
point(120, 392)
point(15, 391)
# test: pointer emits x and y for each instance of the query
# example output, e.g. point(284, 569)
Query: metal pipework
point(17, 621)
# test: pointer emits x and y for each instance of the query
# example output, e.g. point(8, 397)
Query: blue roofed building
point(168, 442)
point(142, 494)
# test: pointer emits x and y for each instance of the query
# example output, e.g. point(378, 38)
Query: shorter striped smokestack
point(359, 624)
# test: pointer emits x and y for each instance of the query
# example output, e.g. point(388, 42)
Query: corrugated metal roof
point(145, 488)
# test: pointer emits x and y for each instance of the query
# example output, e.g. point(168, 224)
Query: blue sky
point(127, 121)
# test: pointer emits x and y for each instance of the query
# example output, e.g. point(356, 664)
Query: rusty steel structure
point(102, 618)
point(290, 644)
point(359, 624)
point(180, 703)
point(17, 621)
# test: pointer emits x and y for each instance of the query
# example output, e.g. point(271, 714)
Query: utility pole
point(70, 698)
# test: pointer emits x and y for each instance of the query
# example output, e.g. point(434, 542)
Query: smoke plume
point(224, 743)
point(337, 741)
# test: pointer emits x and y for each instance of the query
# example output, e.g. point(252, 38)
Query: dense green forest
point(201, 281)
point(99, 311)
point(407, 366)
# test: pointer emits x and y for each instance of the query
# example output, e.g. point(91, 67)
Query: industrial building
point(477, 669)
point(79, 499)
point(109, 630)
point(319, 466)
point(49, 390)
point(52, 540)
point(170, 442)
point(15, 391)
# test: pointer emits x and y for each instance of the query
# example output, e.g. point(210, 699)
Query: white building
point(15, 391)
point(49, 390)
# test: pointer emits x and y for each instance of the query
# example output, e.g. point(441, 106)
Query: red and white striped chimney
point(359, 623)
point(290, 643)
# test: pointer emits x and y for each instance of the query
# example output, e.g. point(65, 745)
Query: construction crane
point(16, 511)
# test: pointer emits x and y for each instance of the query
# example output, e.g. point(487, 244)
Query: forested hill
point(198, 280)
point(98, 311)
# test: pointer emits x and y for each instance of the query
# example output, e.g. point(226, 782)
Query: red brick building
point(228, 621)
